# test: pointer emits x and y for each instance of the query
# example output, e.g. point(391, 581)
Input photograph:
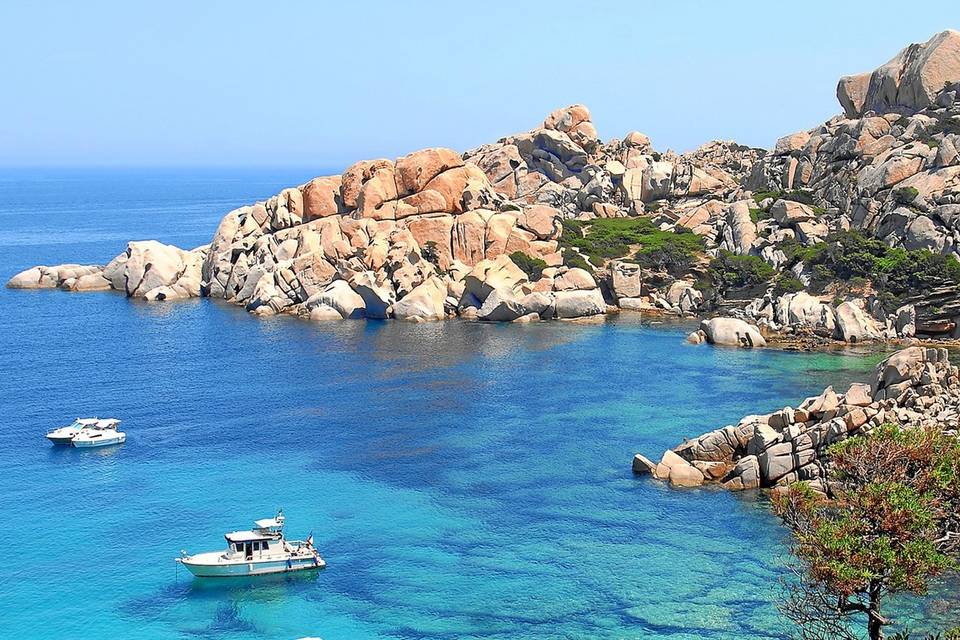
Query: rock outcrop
point(889, 168)
point(851, 321)
point(147, 270)
point(911, 81)
point(730, 332)
point(913, 387)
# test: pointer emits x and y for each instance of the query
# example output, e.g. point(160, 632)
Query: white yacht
point(65, 435)
point(259, 551)
point(102, 434)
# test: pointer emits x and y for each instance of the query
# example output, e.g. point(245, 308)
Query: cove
point(461, 479)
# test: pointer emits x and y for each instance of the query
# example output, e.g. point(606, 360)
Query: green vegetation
point(952, 634)
point(728, 270)
point(888, 528)
point(946, 126)
point(757, 214)
point(607, 238)
point(850, 254)
point(785, 284)
point(905, 195)
point(573, 260)
point(533, 267)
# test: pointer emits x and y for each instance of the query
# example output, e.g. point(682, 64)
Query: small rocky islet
point(549, 224)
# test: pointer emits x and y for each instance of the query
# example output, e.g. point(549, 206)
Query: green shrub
point(729, 270)
point(760, 196)
point(785, 284)
point(803, 197)
point(905, 195)
point(756, 214)
point(607, 238)
point(573, 260)
point(531, 266)
point(853, 257)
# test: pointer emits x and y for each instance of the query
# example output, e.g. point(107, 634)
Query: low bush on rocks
point(609, 238)
point(574, 260)
point(757, 214)
point(730, 271)
point(785, 284)
point(531, 266)
point(905, 195)
point(850, 254)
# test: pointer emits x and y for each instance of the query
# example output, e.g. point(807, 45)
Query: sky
point(209, 83)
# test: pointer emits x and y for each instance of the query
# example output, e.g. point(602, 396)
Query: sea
point(461, 479)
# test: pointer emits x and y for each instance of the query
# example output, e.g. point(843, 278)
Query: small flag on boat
point(310, 540)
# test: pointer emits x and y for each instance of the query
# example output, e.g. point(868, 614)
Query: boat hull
point(60, 439)
point(100, 442)
point(245, 569)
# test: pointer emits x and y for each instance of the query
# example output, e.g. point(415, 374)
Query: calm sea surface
point(462, 480)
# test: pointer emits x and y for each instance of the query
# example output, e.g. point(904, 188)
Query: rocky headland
point(848, 232)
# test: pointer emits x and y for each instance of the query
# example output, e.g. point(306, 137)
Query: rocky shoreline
point(554, 223)
point(914, 387)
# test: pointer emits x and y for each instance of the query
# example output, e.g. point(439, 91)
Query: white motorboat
point(262, 550)
point(65, 435)
point(103, 434)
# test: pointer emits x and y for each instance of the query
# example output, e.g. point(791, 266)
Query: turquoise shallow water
point(462, 480)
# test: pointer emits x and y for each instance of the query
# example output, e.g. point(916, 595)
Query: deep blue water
point(462, 480)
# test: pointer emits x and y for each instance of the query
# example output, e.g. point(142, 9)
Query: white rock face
point(854, 325)
point(148, 270)
point(497, 274)
point(578, 304)
point(44, 277)
point(154, 271)
point(625, 279)
point(732, 332)
point(425, 302)
point(339, 296)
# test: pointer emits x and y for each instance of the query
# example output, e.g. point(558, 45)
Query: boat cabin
point(248, 544)
point(256, 542)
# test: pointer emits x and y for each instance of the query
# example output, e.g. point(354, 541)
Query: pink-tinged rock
point(542, 221)
point(468, 237)
point(637, 140)
point(416, 170)
point(442, 194)
point(29, 279)
point(377, 192)
point(574, 279)
point(852, 93)
point(499, 227)
point(321, 198)
point(356, 175)
point(436, 230)
point(520, 240)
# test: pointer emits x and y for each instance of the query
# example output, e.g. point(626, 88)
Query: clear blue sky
point(323, 84)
